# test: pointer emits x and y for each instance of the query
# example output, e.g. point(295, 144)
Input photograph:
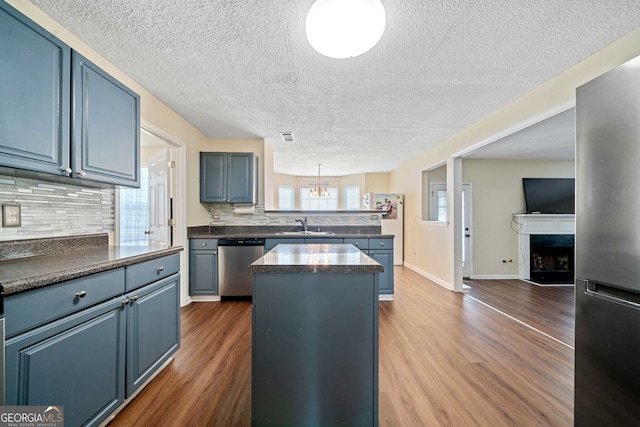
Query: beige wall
point(496, 187)
point(425, 243)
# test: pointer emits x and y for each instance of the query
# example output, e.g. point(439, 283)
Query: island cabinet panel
point(228, 177)
point(76, 362)
point(203, 267)
point(35, 77)
point(315, 349)
point(153, 329)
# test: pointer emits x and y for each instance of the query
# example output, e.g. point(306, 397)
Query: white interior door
point(159, 198)
point(466, 230)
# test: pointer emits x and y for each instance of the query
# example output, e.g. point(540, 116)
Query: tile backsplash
point(53, 209)
point(225, 215)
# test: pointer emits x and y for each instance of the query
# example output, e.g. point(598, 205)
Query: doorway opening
point(145, 214)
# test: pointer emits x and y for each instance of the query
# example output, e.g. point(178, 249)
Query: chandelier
point(318, 191)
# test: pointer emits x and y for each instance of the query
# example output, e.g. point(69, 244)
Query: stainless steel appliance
point(607, 348)
point(234, 257)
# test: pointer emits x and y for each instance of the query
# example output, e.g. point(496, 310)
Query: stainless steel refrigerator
point(607, 348)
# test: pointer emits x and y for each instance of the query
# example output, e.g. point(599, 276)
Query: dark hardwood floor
point(445, 360)
point(549, 309)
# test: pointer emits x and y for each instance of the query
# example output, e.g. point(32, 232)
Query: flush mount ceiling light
point(318, 191)
point(345, 28)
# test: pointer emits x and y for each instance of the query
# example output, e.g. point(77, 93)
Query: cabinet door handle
point(160, 269)
point(135, 298)
point(381, 243)
point(81, 173)
point(125, 302)
point(357, 243)
point(81, 294)
point(67, 170)
point(204, 244)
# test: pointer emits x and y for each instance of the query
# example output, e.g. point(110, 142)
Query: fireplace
point(547, 248)
point(552, 258)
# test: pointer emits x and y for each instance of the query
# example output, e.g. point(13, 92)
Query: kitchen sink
point(297, 233)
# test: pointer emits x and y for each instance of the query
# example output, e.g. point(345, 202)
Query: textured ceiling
point(553, 138)
point(244, 68)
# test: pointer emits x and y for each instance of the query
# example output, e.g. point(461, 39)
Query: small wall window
point(351, 197)
point(434, 194)
point(286, 195)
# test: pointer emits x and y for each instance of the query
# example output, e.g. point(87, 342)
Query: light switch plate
point(11, 215)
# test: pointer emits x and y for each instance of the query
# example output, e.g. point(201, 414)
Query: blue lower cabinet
point(384, 257)
point(76, 362)
point(203, 271)
point(91, 358)
point(153, 329)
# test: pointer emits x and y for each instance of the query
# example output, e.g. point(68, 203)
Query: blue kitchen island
point(315, 336)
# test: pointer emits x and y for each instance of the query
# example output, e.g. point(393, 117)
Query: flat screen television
point(550, 195)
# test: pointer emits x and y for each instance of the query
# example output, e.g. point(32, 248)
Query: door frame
point(467, 270)
point(178, 150)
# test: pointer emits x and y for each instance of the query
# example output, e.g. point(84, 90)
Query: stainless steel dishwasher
point(234, 257)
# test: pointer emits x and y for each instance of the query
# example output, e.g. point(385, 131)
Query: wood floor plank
point(445, 360)
point(549, 309)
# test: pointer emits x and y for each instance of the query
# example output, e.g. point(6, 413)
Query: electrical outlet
point(11, 215)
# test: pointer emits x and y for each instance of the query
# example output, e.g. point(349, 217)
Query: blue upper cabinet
point(228, 178)
point(106, 126)
point(59, 113)
point(35, 82)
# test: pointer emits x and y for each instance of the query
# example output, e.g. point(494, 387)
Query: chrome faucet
point(304, 223)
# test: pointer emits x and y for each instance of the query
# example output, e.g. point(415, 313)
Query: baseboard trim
point(431, 277)
point(494, 277)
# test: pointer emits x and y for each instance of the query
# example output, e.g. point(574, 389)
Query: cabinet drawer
point(149, 271)
point(380, 243)
point(322, 240)
point(272, 243)
point(29, 309)
point(196, 244)
point(358, 243)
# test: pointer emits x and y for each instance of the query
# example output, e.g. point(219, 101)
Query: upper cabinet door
point(34, 95)
point(106, 126)
point(241, 175)
point(213, 177)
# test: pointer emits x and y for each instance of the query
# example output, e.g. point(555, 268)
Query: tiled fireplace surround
point(558, 228)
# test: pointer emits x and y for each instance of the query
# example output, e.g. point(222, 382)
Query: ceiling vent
point(287, 136)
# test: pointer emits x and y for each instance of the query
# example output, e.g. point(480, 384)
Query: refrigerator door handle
point(612, 294)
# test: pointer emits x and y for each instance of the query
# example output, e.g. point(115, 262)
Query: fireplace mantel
point(539, 224)
point(547, 224)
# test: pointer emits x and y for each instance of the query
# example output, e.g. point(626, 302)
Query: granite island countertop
point(24, 274)
point(315, 258)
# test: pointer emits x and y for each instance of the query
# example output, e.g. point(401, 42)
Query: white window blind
point(329, 203)
point(285, 198)
point(352, 197)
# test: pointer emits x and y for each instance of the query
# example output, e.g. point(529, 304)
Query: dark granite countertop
point(290, 236)
point(23, 274)
point(272, 232)
point(315, 258)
